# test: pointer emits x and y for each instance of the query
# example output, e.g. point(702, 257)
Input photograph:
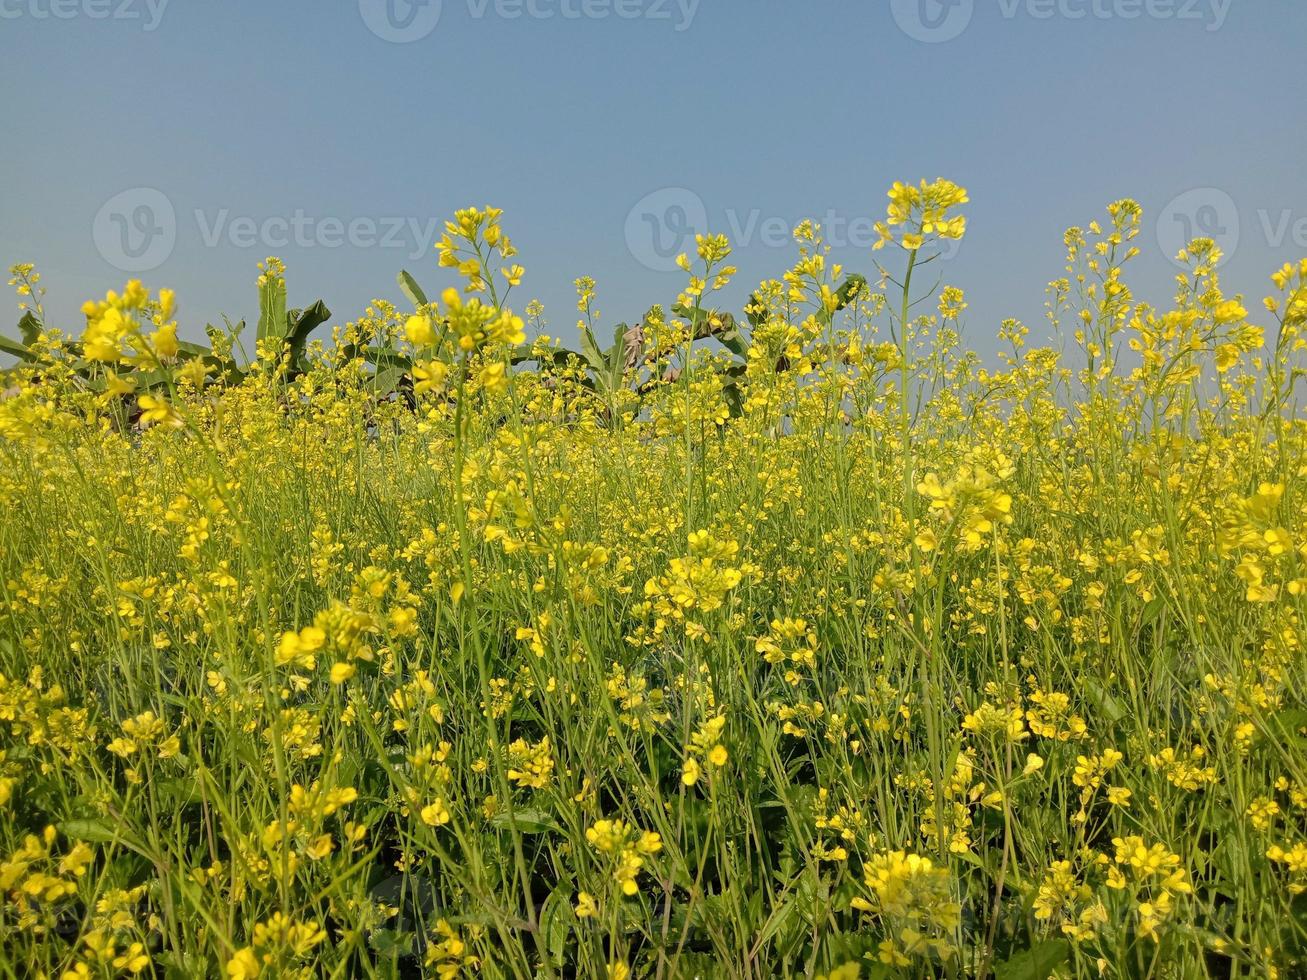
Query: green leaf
point(1036, 963)
point(526, 821)
point(391, 943)
point(179, 791)
point(29, 328)
point(713, 323)
point(188, 350)
point(15, 349)
point(387, 357)
point(734, 341)
point(272, 309)
point(409, 286)
point(851, 286)
point(308, 320)
point(386, 381)
point(1108, 704)
point(556, 922)
point(734, 399)
point(1290, 723)
point(150, 380)
point(780, 919)
point(93, 831)
point(591, 349)
point(1151, 612)
point(618, 350)
point(615, 359)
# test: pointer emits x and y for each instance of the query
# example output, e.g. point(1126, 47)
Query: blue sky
point(183, 141)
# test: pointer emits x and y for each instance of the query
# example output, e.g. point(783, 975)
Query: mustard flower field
point(792, 640)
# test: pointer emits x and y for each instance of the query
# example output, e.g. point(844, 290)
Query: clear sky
point(185, 140)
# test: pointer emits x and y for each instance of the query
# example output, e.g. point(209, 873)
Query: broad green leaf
point(93, 831)
point(1152, 612)
point(12, 347)
point(305, 322)
point(851, 286)
point(1036, 963)
point(29, 328)
point(189, 350)
point(556, 922)
point(409, 286)
point(591, 349)
point(526, 821)
point(390, 943)
point(734, 341)
point(272, 309)
point(1290, 722)
point(387, 357)
point(1109, 705)
point(386, 381)
point(149, 380)
point(615, 359)
point(179, 791)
